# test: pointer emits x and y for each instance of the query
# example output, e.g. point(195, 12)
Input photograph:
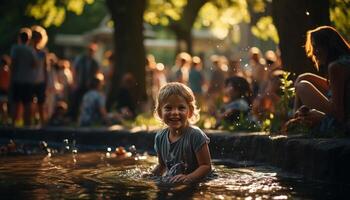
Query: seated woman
point(327, 98)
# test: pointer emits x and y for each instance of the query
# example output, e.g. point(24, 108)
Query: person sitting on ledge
point(327, 99)
point(93, 111)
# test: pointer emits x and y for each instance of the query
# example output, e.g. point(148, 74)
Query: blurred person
point(196, 79)
point(150, 82)
point(84, 70)
point(238, 93)
point(109, 69)
point(272, 61)
point(5, 74)
point(59, 116)
point(52, 84)
point(64, 79)
point(125, 102)
point(180, 72)
point(158, 80)
point(24, 61)
point(258, 70)
point(234, 68)
point(93, 111)
point(216, 84)
point(267, 102)
point(39, 41)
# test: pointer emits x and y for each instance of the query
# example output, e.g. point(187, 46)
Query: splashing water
point(94, 175)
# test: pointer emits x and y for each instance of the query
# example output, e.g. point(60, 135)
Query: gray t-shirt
point(181, 151)
point(23, 64)
point(93, 100)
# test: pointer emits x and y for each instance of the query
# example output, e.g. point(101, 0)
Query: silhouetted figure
point(84, 71)
point(24, 62)
point(328, 97)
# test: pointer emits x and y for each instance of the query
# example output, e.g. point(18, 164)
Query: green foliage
point(142, 120)
point(340, 14)
point(206, 121)
point(90, 18)
point(265, 29)
point(243, 123)
point(53, 12)
point(161, 12)
point(275, 121)
point(258, 6)
point(288, 93)
point(222, 17)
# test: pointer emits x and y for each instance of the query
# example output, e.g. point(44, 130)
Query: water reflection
point(93, 175)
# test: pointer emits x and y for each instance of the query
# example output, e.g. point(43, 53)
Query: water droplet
point(307, 13)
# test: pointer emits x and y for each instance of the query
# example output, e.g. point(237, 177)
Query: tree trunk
point(183, 27)
point(292, 20)
point(129, 50)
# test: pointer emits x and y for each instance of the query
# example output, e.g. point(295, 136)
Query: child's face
point(175, 112)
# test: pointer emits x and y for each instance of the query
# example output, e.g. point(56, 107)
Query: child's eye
point(182, 107)
point(167, 108)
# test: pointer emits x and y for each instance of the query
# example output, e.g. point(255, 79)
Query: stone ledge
point(323, 159)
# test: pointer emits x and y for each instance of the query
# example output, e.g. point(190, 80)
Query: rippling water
point(94, 175)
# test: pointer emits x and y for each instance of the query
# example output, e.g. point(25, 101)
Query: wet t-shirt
point(182, 151)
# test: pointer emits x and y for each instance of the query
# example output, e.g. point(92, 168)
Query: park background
point(134, 29)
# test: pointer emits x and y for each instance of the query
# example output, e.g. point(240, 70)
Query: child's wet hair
point(179, 89)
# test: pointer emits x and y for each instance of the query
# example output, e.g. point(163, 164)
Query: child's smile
point(175, 112)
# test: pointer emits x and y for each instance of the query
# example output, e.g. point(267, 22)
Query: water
point(100, 175)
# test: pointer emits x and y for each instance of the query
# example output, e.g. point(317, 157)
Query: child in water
point(182, 149)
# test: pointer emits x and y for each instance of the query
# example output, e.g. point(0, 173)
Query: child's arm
point(204, 162)
point(160, 168)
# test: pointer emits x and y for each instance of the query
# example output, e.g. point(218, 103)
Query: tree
point(183, 27)
point(292, 25)
point(129, 51)
point(127, 16)
point(12, 21)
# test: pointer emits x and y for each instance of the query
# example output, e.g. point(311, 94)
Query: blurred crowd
point(39, 88)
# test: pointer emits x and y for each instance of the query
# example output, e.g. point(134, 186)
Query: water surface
point(95, 175)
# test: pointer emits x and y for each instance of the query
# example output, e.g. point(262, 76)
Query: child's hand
point(181, 178)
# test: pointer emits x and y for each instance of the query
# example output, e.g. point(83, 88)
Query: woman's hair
point(241, 85)
point(179, 89)
point(328, 38)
